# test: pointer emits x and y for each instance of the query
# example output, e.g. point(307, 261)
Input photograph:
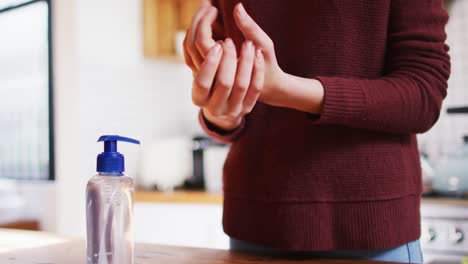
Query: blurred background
point(73, 70)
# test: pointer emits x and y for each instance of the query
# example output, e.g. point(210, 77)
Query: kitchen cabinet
point(444, 230)
point(27, 247)
point(162, 20)
point(174, 221)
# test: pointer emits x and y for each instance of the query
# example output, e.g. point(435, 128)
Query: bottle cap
point(111, 161)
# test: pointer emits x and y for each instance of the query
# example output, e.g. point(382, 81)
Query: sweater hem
point(322, 226)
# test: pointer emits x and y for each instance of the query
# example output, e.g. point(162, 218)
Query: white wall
point(448, 131)
point(67, 121)
point(39, 198)
point(105, 86)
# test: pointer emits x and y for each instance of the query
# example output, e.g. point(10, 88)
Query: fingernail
point(259, 54)
point(216, 48)
point(203, 6)
point(241, 10)
point(248, 44)
point(211, 9)
point(229, 42)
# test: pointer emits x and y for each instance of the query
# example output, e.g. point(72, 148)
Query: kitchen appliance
point(213, 163)
point(165, 164)
point(444, 230)
point(427, 174)
point(201, 145)
point(451, 174)
point(444, 221)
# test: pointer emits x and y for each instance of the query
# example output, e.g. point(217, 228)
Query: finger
point(195, 56)
point(203, 81)
point(251, 30)
point(187, 57)
point(243, 77)
point(204, 35)
point(192, 50)
point(224, 79)
point(197, 17)
point(256, 84)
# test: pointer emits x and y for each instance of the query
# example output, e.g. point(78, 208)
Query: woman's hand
point(280, 89)
point(199, 37)
point(274, 75)
point(227, 87)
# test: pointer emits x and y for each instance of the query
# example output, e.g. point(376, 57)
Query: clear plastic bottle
point(109, 208)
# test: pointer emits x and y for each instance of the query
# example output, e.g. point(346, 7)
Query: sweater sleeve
point(219, 134)
point(408, 98)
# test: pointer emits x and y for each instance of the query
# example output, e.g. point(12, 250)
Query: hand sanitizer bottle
point(109, 207)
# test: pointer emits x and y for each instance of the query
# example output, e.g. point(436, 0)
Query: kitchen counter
point(24, 224)
point(445, 201)
point(29, 247)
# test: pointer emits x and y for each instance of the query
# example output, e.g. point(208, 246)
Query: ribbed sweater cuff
point(219, 134)
point(344, 101)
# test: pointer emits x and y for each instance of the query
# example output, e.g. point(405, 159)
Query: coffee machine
point(451, 176)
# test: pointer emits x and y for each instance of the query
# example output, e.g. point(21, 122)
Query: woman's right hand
point(226, 87)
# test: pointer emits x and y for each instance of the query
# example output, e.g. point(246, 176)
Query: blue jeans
point(406, 253)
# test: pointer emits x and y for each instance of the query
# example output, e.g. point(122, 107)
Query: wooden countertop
point(24, 224)
point(198, 197)
point(202, 197)
point(29, 247)
point(445, 201)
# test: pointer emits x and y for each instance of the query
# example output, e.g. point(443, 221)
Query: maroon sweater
point(352, 178)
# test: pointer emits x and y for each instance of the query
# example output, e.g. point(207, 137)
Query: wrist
point(223, 123)
point(303, 94)
point(275, 91)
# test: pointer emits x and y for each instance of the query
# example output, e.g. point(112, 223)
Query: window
point(26, 129)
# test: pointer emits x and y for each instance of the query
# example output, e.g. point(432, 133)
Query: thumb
point(252, 31)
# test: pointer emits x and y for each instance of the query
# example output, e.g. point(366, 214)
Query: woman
point(322, 101)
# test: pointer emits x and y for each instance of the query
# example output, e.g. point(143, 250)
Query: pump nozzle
point(111, 161)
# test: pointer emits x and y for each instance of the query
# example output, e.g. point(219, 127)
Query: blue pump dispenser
point(109, 207)
point(111, 161)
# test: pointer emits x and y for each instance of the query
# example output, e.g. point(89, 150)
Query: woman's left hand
point(280, 89)
point(274, 76)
